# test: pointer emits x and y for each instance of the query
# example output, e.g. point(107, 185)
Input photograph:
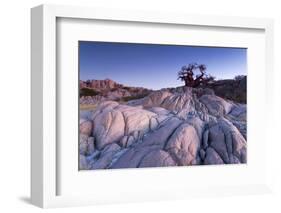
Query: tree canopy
point(187, 74)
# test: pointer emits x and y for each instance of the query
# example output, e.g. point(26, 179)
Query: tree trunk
point(186, 82)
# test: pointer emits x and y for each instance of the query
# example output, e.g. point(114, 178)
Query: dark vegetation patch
point(232, 89)
point(88, 92)
point(133, 97)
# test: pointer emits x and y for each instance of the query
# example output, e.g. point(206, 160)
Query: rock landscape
point(95, 91)
point(133, 127)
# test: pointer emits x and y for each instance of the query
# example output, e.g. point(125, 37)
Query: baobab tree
point(186, 74)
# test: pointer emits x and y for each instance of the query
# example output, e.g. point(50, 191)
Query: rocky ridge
point(100, 84)
point(95, 91)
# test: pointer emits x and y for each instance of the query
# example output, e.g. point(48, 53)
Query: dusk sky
point(155, 66)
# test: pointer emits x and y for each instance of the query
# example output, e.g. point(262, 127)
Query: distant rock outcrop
point(93, 92)
point(231, 89)
point(100, 84)
point(169, 127)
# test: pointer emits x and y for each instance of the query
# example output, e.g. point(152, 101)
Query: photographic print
point(155, 105)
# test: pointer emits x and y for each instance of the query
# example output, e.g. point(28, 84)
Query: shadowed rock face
point(179, 127)
point(231, 89)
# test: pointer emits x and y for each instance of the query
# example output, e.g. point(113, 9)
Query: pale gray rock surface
point(92, 99)
point(217, 106)
point(157, 158)
point(169, 127)
point(87, 145)
point(109, 128)
point(106, 156)
point(83, 165)
point(115, 121)
point(117, 94)
point(86, 127)
point(212, 157)
point(184, 145)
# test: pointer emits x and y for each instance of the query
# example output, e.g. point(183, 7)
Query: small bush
point(134, 97)
point(88, 92)
point(126, 88)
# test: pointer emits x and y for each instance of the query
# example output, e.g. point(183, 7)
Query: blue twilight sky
point(155, 66)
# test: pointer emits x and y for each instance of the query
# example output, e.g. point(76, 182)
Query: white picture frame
point(44, 150)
